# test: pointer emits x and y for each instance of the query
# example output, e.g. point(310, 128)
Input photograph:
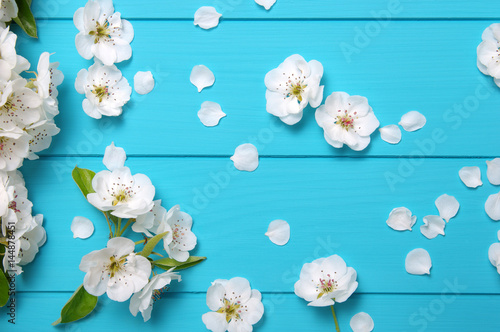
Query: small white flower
point(41, 134)
point(9, 57)
point(418, 262)
point(105, 89)
point(144, 82)
point(347, 120)
point(210, 113)
point(19, 106)
point(433, 226)
point(115, 270)
point(278, 232)
point(14, 147)
point(326, 281)
point(235, 306)
point(201, 77)
point(471, 176)
point(143, 301)
point(492, 206)
point(391, 134)
point(180, 239)
point(292, 86)
point(32, 240)
point(103, 33)
point(362, 322)
point(494, 255)
point(114, 157)
point(82, 227)
point(400, 219)
point(412, 121)
point(8, 10)
point(267, 4)
point(148, 223)
point(47, 80)
point(246, 157)
point(447, 206)
point(493, 172)
point(488, 54)
point(125, 195)
point(206, 17)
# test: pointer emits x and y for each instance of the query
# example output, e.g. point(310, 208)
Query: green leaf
point(168, 263)
point(79, 305)
point(25, 18)
point(151, 244)
point(83, 178)
point(4, 289)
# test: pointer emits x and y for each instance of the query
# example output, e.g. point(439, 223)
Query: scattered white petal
point(362, 322)
point(144, 82)
point(206, 17)
point(391, 134)
point(434, 225)
point(114, 157)
point(279, 232)
point(471, 176)
point(267, 4)
point(82, 228)
point(246, 157)
point(492, 206)
point(447, 206)
point(498, 235)
point(210, 113)
point(412, 121)
point(400, 219)
point(418, 262)
point(202, 77)
point(494, 255)
point(493, 172)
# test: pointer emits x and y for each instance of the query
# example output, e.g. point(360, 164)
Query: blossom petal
point(206, 17)
point(492, 206)
point(494, 255)
point(214, 321)
point(144, 82)
point(471, 176)
point(238, 289)
point(279, 232)
point(434, 225)
point(447, 206)
point(362, 322)
point(498, 234)
point(391, 134)
point(267, 4)
point(82, 228)
point(412, 121)
point(246, 157)
point(418, 262)
point(493, 172)
point(215, 296)
point(202, 77)
point(210, 114)
point(114, 157)
point(400, 219)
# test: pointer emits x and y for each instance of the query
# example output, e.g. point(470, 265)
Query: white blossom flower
point(494, 255)
point(447, 206)
point(400, 219)
point(144, 82)
point(492, 206)
point(347, 120)
point(9, 57)
point(278, 232)
point(418, 262)
point(18, 212)
point(48, 78)
point(32, 240)
point(412, 121)
point(433, 226)
point(14, 147)
point(8, 10)
point(19, 106)
point(206, 17)
point(103, 33)
point(471, 176)
point(326, 281)
point(125, 195)
point(493, 171)
point(246, 157)
point(182, 239)
point(210, 113)
point(361, 322)
point(41, 134)
point(82, 227)
point(143, 301)
point(105, 89)
point(115, 270)
point(488, 52)
point(391, 134)
point(292, 86)
point(201, 77)
point(267, 4)
point(148, 223)
point(235, 306)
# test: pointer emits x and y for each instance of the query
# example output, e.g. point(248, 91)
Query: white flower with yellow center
point(103, 33)
point(235, 306)
point(115, 270)
point(19, 106)
point(14, 147)
point(292, 86)
point(105, 89)
point(182, 240)
point(326, 281)
point(347, 120)
point(124, 194)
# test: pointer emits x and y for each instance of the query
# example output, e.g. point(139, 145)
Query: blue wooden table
point(401, 54)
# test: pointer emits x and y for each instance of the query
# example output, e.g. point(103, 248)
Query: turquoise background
point(402, 55)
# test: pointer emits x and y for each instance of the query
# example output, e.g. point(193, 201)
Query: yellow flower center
point(101, 31)
point(231, 310)
point(100, 92)
point(296, 90)
point(326, 286)
point(120, 197)
point(346, 121)
point(115, 265)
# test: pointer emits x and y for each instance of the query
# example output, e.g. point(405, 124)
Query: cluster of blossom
point(488, 52)
point(103, 35)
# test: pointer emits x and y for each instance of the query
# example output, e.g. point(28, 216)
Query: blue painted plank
point(245, 9)
point(397, 73)
point(334, 206)
point(283, 312)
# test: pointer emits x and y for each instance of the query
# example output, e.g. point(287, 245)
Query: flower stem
point(130, 221)
point(140, 242)
point(109, 224)
point(118, 227)
point(335, 319)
